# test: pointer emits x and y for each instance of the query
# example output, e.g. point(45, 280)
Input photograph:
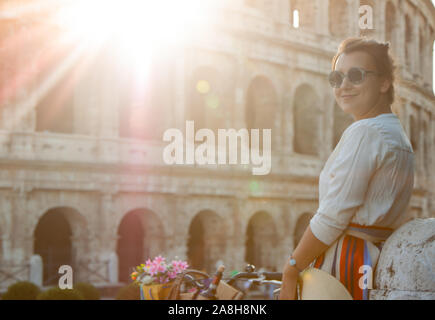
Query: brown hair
point(379, 51)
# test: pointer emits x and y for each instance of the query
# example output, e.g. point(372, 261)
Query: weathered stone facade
point(86, 170)
point(406, 265)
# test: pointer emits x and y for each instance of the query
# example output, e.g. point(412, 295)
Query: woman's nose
point(346, 83)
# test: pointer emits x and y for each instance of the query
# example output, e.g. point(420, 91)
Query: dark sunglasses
point(355, 76)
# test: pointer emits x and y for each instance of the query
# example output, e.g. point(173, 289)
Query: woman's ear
point(385, 85)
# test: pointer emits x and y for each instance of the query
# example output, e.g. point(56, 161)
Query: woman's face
point(358, 100)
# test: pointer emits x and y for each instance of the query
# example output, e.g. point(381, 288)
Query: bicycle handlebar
point(272, 275)
point(256, 275)
point(243, 275)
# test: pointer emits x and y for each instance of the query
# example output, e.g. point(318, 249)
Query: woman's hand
point(289, 282)
point(306, 251)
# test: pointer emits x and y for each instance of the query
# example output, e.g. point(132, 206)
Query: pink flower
point(179, 266)
point(172, 275)
point(159, 260)
point(158, 271)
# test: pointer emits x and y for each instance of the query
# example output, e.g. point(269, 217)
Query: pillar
point(105, 237)
point(239, 115)
point(180, 89)
point(352, 11)
point(322, 18)
point(36, 269)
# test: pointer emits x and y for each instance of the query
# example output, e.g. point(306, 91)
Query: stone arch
point(261, 240)
point(261, 106)
point(140, 237)
point(301, 225)
point(205, 99)
point(47, 201)
point(255, 207)
point(307, 121)
point(342, 120)
point(206, 241)
point(60, 238)
point(338, 18)
point(192, 207)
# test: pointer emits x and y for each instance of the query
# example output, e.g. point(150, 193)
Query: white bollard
point(36, 269)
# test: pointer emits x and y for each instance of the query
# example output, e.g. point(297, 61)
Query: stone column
point(421, 138)
point(282, 11)
point(240, 94)
point(82, 260)
point(105, 239)
point(6, 226)
point(180, 89)
point(237, 241)
point(352, 17)
point(322, 17)
point(288, 123)
point(379, 15)
point(113, 79)
point(430, 45)
point(110, 95)
point(400, 41)
point(22, 236)
point(415, 54)
point(177, 246)
point(216, 249)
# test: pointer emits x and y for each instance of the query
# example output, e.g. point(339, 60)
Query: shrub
point(88, 291)
point(60, 294)
point(23, 290)
point(129, 292)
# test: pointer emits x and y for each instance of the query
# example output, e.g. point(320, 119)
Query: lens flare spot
point(307, 277)
point(212, 101)
point(203, 86)
point(254, 186)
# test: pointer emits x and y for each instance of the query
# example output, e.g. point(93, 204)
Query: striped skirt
point(353, 257)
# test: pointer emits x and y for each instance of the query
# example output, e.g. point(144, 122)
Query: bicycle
point(246, 285)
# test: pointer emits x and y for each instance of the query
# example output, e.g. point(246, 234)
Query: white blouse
point(368, 179)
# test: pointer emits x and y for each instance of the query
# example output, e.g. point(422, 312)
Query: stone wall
point(97, 174)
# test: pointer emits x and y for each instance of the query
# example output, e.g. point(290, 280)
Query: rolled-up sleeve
point(347, 180)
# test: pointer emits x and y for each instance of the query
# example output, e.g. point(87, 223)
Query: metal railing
point(12, 272)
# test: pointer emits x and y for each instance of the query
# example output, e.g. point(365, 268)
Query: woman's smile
point(347, 96)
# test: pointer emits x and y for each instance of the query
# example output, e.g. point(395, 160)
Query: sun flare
point(136, 29)
point(133, 22)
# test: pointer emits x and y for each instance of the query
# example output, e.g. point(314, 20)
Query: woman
point(366, 184)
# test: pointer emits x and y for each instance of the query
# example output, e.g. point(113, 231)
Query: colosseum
point(83, 181)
